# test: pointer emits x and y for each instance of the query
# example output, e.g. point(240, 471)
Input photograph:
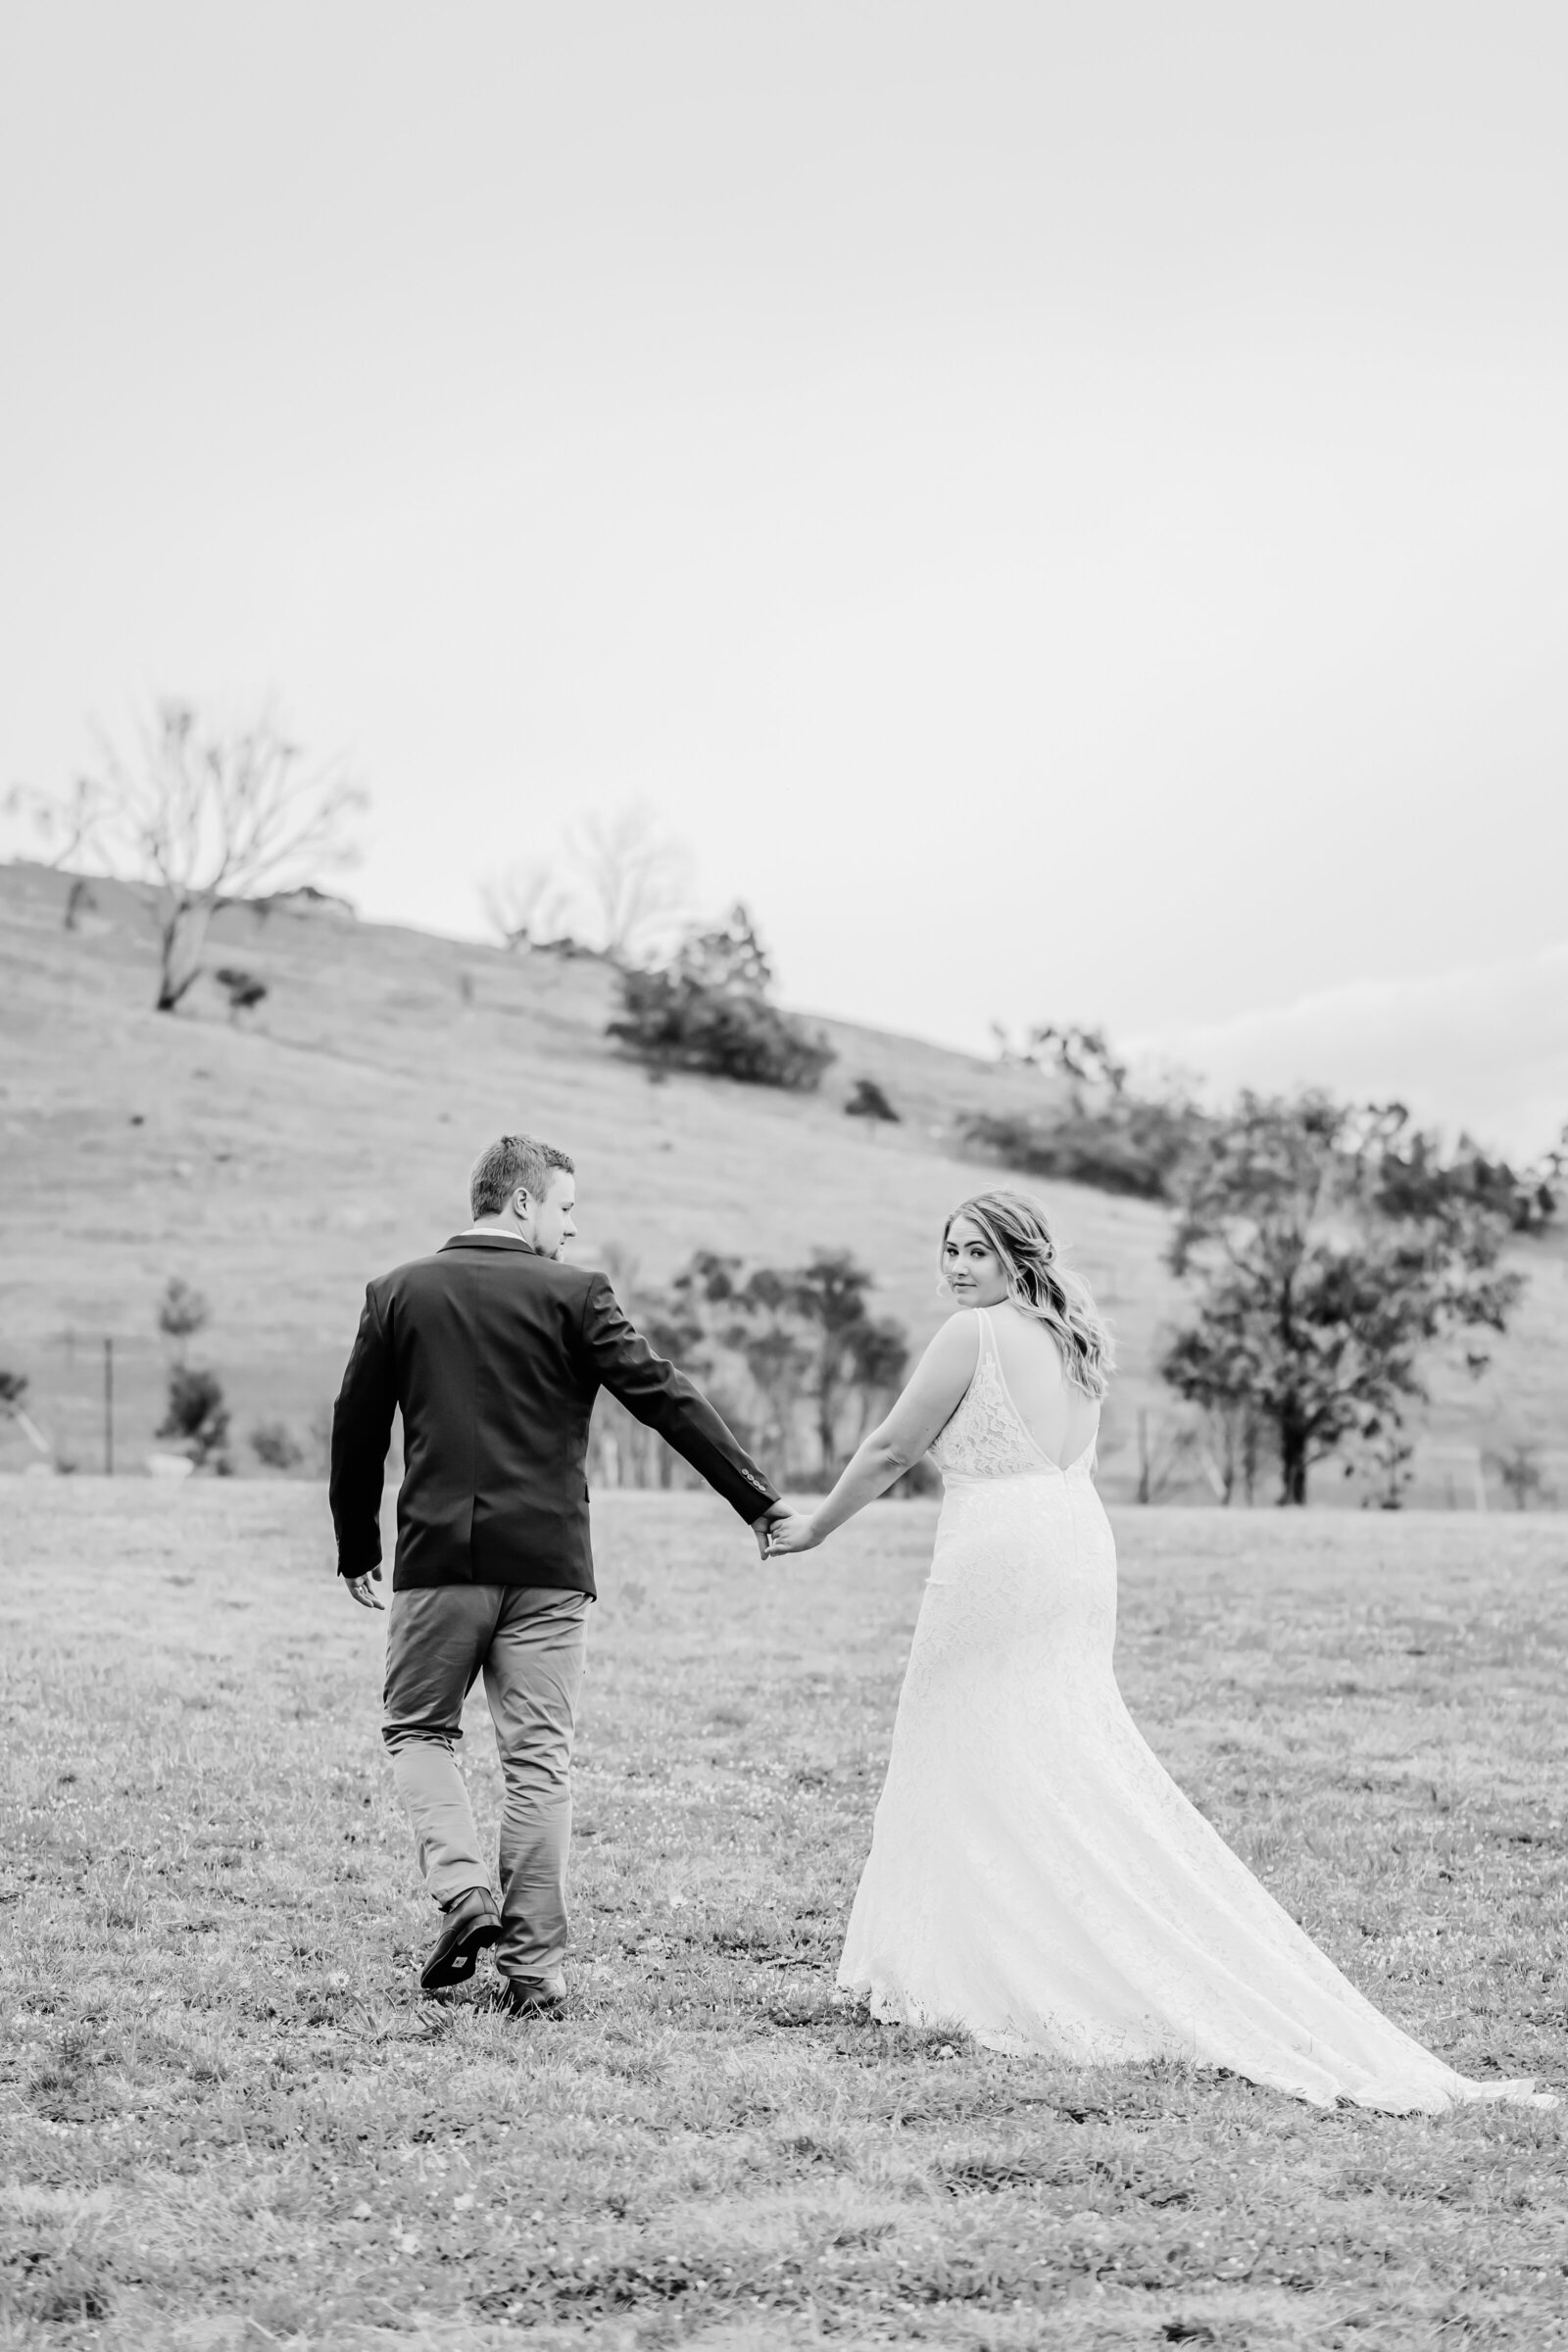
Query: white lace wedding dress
point(1034, 1875)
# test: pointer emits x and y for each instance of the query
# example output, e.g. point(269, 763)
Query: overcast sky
point(1063, 508)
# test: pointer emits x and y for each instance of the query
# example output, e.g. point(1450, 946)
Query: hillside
point(279, 1158)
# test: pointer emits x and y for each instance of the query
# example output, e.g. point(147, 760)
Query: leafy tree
point(710, 1312)
point(783, 1349)
point(202, 813)
point(1085, 1057)
point(709, 1008)
point(808, 1339)
point(1329, 1249)
point(764, 1332)
point(1525, 1198)
point(809, 1345)
point(678, 1321)
point(182, 1312)
point(851, 1353)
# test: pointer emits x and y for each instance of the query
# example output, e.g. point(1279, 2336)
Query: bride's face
point(971, 1267)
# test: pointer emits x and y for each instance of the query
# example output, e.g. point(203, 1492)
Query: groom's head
point(526, 1188)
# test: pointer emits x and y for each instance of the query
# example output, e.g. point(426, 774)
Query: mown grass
point(229, 2121)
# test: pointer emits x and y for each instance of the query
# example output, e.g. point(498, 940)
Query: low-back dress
point(1036, 1877)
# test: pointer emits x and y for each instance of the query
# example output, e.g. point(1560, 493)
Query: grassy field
point(230, 2121)
point(280, 1162)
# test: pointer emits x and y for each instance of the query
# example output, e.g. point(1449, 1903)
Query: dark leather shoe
point(470, 1926)
point(531, 1997)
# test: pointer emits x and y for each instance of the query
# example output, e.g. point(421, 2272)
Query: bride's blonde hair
point(1039, 1285)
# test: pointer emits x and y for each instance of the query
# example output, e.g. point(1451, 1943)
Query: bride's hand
point(796, 1532)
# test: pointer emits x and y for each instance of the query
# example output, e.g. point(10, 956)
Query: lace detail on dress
point(986, 1437)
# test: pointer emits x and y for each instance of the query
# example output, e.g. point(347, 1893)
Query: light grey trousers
point(528, 1640)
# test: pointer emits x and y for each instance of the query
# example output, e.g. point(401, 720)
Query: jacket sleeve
point(621, 1359)
point(362, 1431)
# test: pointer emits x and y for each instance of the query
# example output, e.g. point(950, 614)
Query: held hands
point(781, 1531)
point(763, 1528)
point(797, 1531)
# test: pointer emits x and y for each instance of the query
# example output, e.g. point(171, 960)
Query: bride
point(1034, 1875)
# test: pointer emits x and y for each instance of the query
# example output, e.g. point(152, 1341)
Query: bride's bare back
point(1062, 1420)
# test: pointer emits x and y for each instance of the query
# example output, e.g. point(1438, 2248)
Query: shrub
point(1521, 1472)
point(1105, 1132)
point(710, 1010)
point(1127, 1143)
point(275, 1446)
point(868, 1101)
point(243, 988)
point(197, 1414)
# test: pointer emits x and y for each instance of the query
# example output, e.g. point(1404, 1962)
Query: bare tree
point(67, 829)
point(619, 883)
point(635, 877)
point(528, 905)
point(202, 813)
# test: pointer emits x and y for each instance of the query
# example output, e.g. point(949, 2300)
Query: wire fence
point(95, 1402)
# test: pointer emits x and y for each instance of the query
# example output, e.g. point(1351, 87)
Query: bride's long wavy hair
point(1040, 1284)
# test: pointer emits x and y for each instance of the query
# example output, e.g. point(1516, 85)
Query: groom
point(494, 1350)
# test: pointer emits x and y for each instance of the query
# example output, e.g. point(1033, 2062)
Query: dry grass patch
point(230, 2121)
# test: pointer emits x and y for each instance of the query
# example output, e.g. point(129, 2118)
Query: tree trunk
point(181, 934)
point(827, 1420)
point(1293, 1464)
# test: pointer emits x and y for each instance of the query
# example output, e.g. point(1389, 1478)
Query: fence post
point(109, 1409)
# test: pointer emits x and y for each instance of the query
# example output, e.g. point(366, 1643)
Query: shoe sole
point(457, 1966)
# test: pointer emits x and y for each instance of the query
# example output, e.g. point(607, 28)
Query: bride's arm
point(927, 1405)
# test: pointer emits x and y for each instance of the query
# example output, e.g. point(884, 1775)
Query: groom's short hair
point(516, 1159)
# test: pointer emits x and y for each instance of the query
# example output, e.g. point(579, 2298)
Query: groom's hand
point(360, 1587)
point(759, 1527)
point(797, 1531)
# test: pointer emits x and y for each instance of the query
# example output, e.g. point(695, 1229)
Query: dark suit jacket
point(495, 1356)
